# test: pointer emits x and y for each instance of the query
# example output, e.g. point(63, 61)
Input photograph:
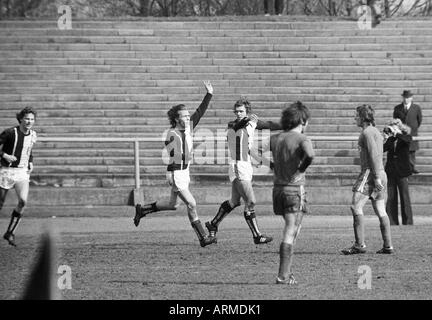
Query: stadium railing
point(136, 143)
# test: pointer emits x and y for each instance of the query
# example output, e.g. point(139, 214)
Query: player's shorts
point(289, 199)
point(179, 179)
point(242, 189)
point(10, 176)
point(241, 170)
point(365, 185)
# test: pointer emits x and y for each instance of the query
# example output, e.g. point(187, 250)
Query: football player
point(240, 136)
point(179, 143)
point(16, 165)
point(371, 183)
point(292, 153)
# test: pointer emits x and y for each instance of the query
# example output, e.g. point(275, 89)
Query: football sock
point(385, 231)
point(358, 225)
point(150, 207)
point(285, 254)
point(223, 211)
point(252, 223)
point(199, 230)
point(15, 219)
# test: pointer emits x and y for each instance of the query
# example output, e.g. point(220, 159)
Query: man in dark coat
point(398, 169)
point(411, 115)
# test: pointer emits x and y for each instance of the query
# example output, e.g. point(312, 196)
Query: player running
point(16, 165)
point(240, 136)
point(179, 143)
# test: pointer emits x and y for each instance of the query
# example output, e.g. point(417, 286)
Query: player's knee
point(234, 204)
point(356, 211)
point(22, 203)
point(191, 206)
point(251, 203)
point(381, 213)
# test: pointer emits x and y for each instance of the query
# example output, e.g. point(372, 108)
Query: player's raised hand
point(253, 117)
point(208, 86)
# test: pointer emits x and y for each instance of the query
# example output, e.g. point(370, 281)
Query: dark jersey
point(17, 144)
point(179, 143)
point(291, 151)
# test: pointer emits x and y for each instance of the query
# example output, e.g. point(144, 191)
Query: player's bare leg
point(3, 193)
point(358, 202)
point(379, 208)
point(187, 197)
point(298, 221)
point(22, 189)
point(286, 251)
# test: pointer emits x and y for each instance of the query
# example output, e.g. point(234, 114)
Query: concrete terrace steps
point(118, 79)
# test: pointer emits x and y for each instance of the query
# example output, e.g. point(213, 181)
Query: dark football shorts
point(289, 199)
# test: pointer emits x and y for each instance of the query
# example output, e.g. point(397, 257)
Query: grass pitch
point(161, 259)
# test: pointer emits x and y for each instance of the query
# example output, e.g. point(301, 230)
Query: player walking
point(371, 182)
point(292, 154)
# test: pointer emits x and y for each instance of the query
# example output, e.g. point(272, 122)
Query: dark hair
point(293, 115)
point(173, 114)
point(366, 114)
point(20, 115)
point(243, 102)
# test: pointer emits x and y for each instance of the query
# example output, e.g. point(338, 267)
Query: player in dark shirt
point(292, 154)
point(16, 165)
point(179, 143)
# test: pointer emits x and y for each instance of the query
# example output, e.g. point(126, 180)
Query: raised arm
point(199, 112)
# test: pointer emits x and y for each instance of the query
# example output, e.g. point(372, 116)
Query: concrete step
point(44, 152)
point(201, 169)
point(289, 23)
point(158, 160)
point(47, 199)
point(341, 119)
point(133, 130)
point(95, 92)
point(26, 64)
point(217, 83)
point(230, 37)
point(127, 180)
point(151, 54)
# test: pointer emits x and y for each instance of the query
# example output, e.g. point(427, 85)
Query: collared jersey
point(18, 144)
point(179, 143)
